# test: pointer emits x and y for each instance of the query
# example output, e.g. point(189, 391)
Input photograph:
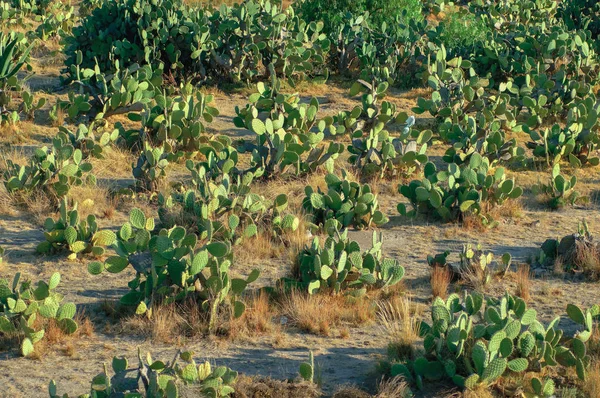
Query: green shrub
point(461, 31)
point(333, 13)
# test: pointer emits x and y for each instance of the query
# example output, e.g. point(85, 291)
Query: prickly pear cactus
point(160, 379)
point(474, 342)
point(346, 201)
point(78, 236)
point(170, 269)
point(340, 265)
point(21, 304)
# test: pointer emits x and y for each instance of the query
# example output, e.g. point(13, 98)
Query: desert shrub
point(461, 31)
point(138, 32)
point(334, 13)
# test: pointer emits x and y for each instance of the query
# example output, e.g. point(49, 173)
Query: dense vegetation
point(490, 71)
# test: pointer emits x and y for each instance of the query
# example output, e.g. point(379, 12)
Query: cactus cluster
point(374, 149)
point(340, 265)
point(51, 169)
point(560, 190)
point(348, 202)
point(22, 306)
point(159, 379)
point(285, 138)
point(169, 268)
point(129, 88)
point(475, 266)
point(571, 251)
point(75, 235)
point(12, 60)
point(474, 341)
point(233, 42)
point(457, 191)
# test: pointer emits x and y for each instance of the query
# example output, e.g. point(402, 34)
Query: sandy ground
point(342, 361)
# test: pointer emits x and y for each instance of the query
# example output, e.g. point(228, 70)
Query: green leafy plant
point(560, 190)
point(53, 170)
point(21, 304)
point(284, 133)
point(220, 209)
point(457, 191)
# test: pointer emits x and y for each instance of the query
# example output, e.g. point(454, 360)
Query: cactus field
point(299, 198)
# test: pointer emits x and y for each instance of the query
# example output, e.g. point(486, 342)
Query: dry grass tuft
point(257, 319)
point(399, 321)
point(591, 386)
point(59, 119)
point(350, 392)
point(393, 388)
point(594, 343)
point(169, 323)
point(523, 282)
point(320, 314)
point(587, 257)
point(264, 387)
point(91, 199)
point(54, 336)
point(440, 281)
point(38, 206)
point(257, 248)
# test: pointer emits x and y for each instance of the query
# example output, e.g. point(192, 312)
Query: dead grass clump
point(168, 324)
point(399, 321)
point(320, 314)
point(350, 392)
point(473, 222)
point(7, 207)
point(91, 199)
point(59, 117)
point(393, 388)
point(256, 320)
point(257, 248)
point(55, 336)
point(39, 206)
point(587, 258)
point(523, 282)
point(264, 387)
point(594, 343)
point(591, 386)
point(440, 281)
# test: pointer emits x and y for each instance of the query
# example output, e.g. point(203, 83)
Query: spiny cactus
point(452, 193)
point(52, 170)
point(340, 265)
point(169, 269)
point(346, 201)
point(572, 251)
point(560, 190)
point(76, 235)
point(474, 342)
point(285, 138)
point(158, 379)
point(220, 207)
point(21, 304)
